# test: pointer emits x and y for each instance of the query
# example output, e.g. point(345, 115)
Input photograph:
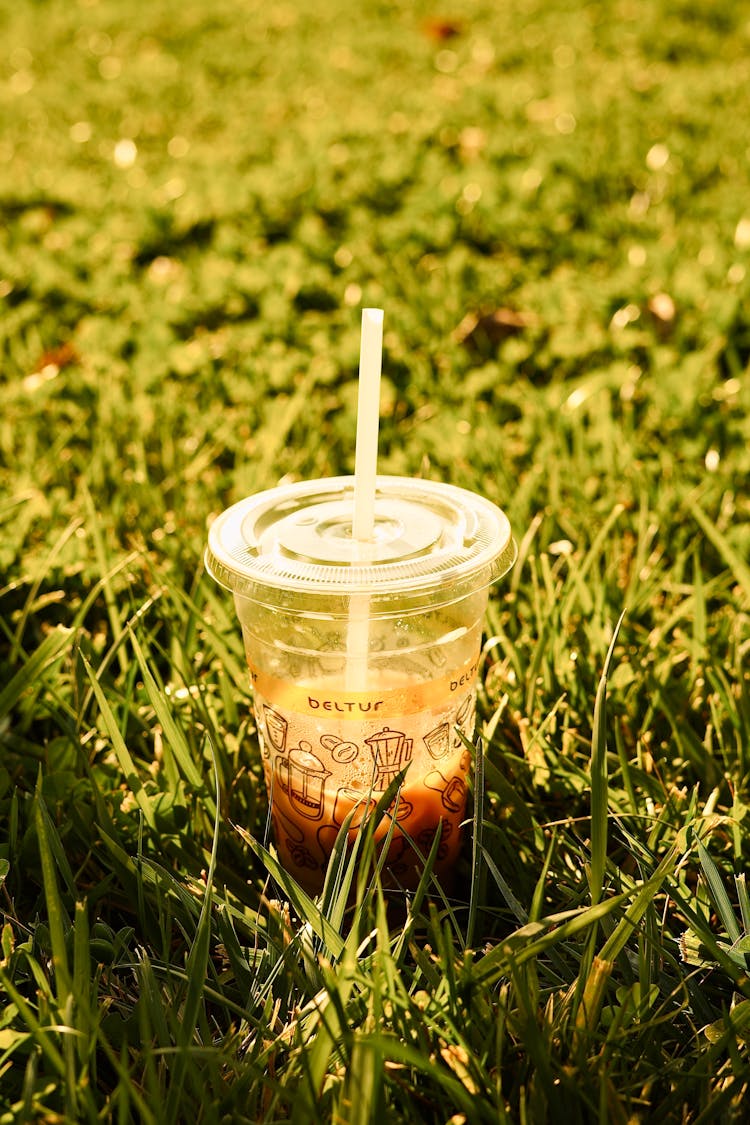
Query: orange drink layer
point(328, 751)
point(421, 811)
point(363, 659)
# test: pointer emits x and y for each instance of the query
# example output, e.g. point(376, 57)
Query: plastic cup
point(363, 657)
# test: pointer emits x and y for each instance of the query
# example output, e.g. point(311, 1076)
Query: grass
point(197, 199)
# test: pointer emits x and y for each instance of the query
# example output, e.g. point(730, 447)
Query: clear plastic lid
point(297, 539)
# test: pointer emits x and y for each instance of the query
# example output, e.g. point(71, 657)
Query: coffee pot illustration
point(302, 776)
point(391, 750)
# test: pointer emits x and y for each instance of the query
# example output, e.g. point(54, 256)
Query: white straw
point(365, 471)
point(368, 419)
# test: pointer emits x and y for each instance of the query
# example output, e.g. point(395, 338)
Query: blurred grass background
point(550, 201)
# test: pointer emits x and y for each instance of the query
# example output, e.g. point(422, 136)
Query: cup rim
point(465, 541)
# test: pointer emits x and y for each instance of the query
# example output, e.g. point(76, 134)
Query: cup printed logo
point(321, 698)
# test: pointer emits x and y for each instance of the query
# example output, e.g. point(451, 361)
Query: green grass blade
point(628, 925)
point(55, 909)
point(362, 1100)
point(303, 904)
point(33, 669)
point(519, 912)
point(458, 1096)
point(121, 640)
point(82, 980)
point(56, 846)
point(342, 870)
point(735, 562)
point(325, 1033)
point(417, 898)
point(39, 1033)
point(128, 1088)
point(121, 751)
point(577, 589)
point(718, 894)
point(740, 882)
point(94, 525)
point(37, 584)
point(599, 778)
point(535, 910)
point(699, 631)
point(535, 938)
point(477, 849)
point(197, 964)
point(174, 735)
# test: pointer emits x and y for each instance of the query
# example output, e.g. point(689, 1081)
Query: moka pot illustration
point(391, 750)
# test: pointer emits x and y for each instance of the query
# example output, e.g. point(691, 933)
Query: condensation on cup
point(363, 659)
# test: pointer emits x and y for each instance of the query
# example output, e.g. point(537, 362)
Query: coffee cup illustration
point(276, 728)
point(302, 777)
point(438, 740)
point(452, 792)
point(400, 809)
point(391, 750)
point(348, 799)
point(454, 795)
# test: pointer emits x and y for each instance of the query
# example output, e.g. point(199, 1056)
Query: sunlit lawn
point(550, 203)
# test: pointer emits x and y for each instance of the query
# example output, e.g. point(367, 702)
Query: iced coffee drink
point(363, 661)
